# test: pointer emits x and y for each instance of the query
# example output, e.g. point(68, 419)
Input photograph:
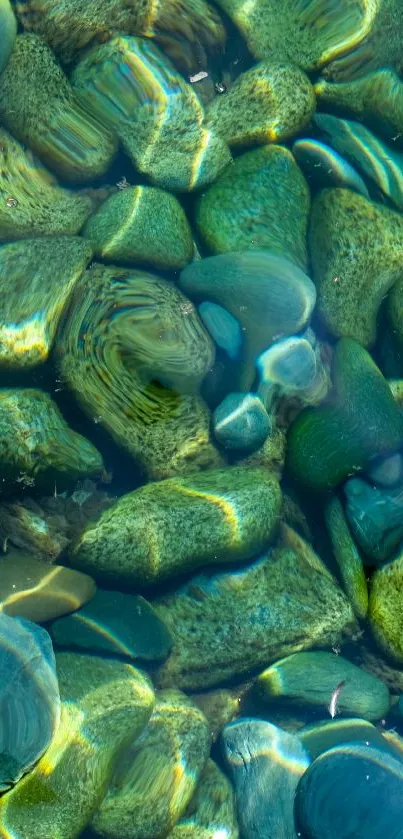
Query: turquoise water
point(201, 419)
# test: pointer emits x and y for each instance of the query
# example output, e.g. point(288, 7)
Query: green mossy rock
point(386, 608)
point(311, 679)
point(175, 526)
point(347, 557)
point(8, 29)
point(141, 224)
point(359, 420)
point(376, 99)
point(37, 279)
point(269, 103)
point(157, 775)
point(106, 704)
point(227, 623)
point(211, 811)
point(356, 250)
point(261, 201)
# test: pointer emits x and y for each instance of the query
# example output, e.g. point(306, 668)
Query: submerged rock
point(8, 29)
point(376, 518)
point(319, 737)
point(175, 526)
point(347, 556)
point(227, 623)
point(211, 811)
point(386, 608)
point(29, 699)
point(241, 422)
point(156, 776)
point(325, 167)
point(261, 201)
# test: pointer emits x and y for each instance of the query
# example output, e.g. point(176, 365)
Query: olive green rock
point(106, 704)
point(356, 251)
point(141, 224)
point(395, 310)
point(8, 29)
point(37, 447)
point(167, 528)
point(347, 557)
point(37, 279)
point(227, 623)
point(156, 776)
point(156, 114)
point(261, 201)
point(65, 136)
point(211, 811)
point(134, 351)
point(269, 103)
point(311, 679)
point(358, 421)
point(320, 736)
point(386, 608)
point(219, 707)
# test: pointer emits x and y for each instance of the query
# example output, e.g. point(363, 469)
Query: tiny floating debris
point(335, 698)
point(198, 77)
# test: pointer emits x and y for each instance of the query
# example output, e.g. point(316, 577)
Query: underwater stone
point(268, 295)
point(223, 327)
point(31, 588)
point(31, 201)
point(219, 706)
point(37, 447)
point(8, 29)
point(65, 136)
point(311, 679)
point(105, 705)
point(386, 471)
point(325, 167)
point(376, 518)
point(361, 404)
point(271, 455)
point(117, 624)
point(227, 623)
point(30, 702)
point(130, 86)
point(351, 790)
point(356, 250)
point(265, 764)
point(241, 422)
point(347, 556)
point(211, 811)
point(141, 224)
point(139, 369)
point(156, 776)
point(269, 103)
point(167, 528)
point(38, 277)
point(386, 607)
point(69, 26)
point(372, 157)
point(321, 736)
point(395, 316)
point(261, 201)
point(309, 33)
point(288, 367)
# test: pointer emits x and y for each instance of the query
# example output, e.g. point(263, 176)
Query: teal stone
point(347, 556)
point(115, 623)
point(353, 790)
point(261, 201)
point(376, 518)
point(241, 422)
point(29, 697)
point(268, 295)
point(362, 406)
point(265, 764)
point(386, 471)
point(310, 678)
point(323, 166)
point(371, 156)
point(8, 29)
point(319, 737)
point(223, 327)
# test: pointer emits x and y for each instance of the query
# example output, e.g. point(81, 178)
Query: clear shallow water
point(200, 419)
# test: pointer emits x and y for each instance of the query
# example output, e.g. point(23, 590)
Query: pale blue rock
point(241, 422)
point(223, 327)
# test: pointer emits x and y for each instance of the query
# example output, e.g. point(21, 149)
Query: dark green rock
point(359, 421)
point(347, 556)
point(375, 515)
point(8, 29)
point(319, 737)
point(119, 624)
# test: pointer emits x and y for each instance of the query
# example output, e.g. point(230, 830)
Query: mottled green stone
point(386, 608)
point(227, 623)
point(8, 29)
point(31, 201)
point(106, 704)
point(269, 103)
point(261, 201)
point(379, 47)
point(347, 557)
point(37, 447)
point(164, 529)
point(376, 99)
point(37, 279)
point(395, 310)
point(65, 136)
point(356, 250)
point(211, 811)
point(311, 679)
point(359, 420)
point(156, 776)
point(141, 225)
point(219, 706)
